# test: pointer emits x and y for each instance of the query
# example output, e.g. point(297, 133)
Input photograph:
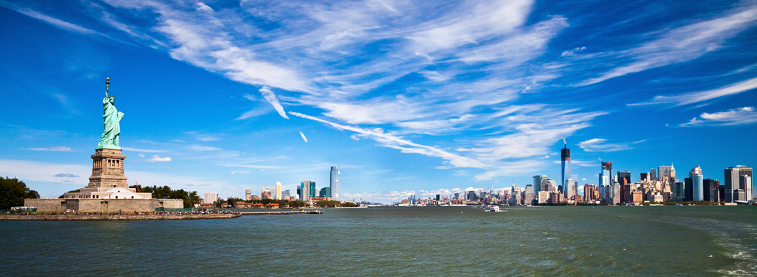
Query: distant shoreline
point(115, 217)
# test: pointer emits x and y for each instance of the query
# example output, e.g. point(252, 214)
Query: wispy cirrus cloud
point(406, 146)
point(601, 145)
point(679, 44)
point(197, 147)
point(143, 150)
point(701, 96)
point(54, 148)
point(156, 158)
point(56, 22)
point(739, 116)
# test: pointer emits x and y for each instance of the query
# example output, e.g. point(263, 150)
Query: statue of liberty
point(111, 119)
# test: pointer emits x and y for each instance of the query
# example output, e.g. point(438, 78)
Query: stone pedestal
point(108, 169)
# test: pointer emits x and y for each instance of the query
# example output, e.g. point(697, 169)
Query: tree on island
point(190, 198)
point(334, 203)
point(13, 192)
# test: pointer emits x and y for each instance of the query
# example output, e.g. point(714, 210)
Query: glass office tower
point(335, 185)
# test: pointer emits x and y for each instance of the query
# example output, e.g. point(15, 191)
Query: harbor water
point(399, 241)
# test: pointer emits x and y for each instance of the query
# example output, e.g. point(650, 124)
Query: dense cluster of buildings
point(306, 192)
point(656, 186)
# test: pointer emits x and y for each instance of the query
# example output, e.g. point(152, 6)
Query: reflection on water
point(400, 241)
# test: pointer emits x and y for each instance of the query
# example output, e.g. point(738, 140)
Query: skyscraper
point(335, 183)
point(733, 183)
point(537, 185)
point(624, 174)
point(278, 191)
point(565, 158)
point(711, 190)
point(528, 197)
point(605, 180)
point(305, 190)
point(697, 184)
point(653, 174)
point(312, 189)
point(247, 194)
point(666, 171)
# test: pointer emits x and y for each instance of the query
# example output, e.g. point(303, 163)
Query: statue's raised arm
point(111, 121)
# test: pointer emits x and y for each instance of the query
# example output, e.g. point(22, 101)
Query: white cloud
point(143, 150)
point(205, 8)
point(54, 148)
point(66, 175)
point(271, 97)
point(240, 172)
point(303, 137)
point(56, 22)
point(572, 51)
point(599, 145)
point(156, 158)
point(739, 116)
point(470, 25)
point(682, 44)
point(700, 96)
point(405, 146)
point(204, 137)
point(45, 172)
point(196, 147)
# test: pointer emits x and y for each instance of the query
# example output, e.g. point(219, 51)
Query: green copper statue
point(111, 119)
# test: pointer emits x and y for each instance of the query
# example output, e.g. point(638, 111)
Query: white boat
point(493, 209)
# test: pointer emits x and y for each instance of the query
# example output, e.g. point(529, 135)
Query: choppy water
point(437, 241)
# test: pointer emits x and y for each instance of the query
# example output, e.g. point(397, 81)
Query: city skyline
point(406, 98)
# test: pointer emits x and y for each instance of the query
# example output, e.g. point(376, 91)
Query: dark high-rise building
point(625, 189)
point(624, 174)
point(644, 176)
point(438, 197)
point(471, 195)
point(565, 158)
point(688, 189)
point(711, 190)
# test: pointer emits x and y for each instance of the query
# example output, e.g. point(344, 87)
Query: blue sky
point(408, 97)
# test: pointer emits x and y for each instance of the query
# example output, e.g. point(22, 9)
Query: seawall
point(106, 217)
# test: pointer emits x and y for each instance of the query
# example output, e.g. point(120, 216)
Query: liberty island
point(107, 191)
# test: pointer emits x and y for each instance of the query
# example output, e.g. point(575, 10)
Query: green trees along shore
point(13, 192)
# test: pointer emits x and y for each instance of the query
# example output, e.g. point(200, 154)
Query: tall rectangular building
point(666, 171)
point(278, 191)
point(305, 190)
point(335, 182)
point(537, 185)
point(210, 197)
point(528, 195)
point(710, 190)
point(605, 180)
point(624, 174)
point(565, 159)
point(732, 183)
